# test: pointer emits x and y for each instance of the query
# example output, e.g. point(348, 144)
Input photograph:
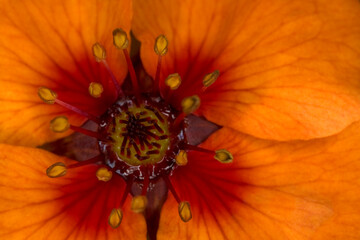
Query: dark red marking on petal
point(203, 176)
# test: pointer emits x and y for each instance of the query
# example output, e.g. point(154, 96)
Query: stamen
point(223, 156)
point(115, 217)
point(116, 214)
point(78, 111)
point(99, 53)
point(95, 89)
point(59, 169)
point(171, 188)
point(133, 77)
point(96, 159)
point(56, 170)
point(121, 41)
point(113, 78)
point(50, 97)
point(47, 95)
point(157, 83)
point(178, 120)
point(138, 203)
point(173, 81)
point(103, 174)
point(185, 211)
point(161, 45)
point(181, 158)
point(210, 78)
point(59, 124)
point(198, 149)
point(87, 132)
point(160, 48)
point(184, 206)
point(189, 105)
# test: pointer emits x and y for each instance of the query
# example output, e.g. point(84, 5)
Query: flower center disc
point(140, 135)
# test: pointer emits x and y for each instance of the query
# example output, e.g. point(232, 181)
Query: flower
point(287, 99)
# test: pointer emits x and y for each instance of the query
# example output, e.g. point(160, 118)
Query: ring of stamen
point(141, 137)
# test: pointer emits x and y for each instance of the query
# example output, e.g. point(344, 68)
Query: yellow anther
point(56, 170)
point(120, 39)
point(103, 174)
point(223, 156)
point(161, 44)
point(59, 124)
point(99, 52)
point(185, 211)
point(115, 217)
point(173, 81)
point(47, 95)
point(95, 89)
point(181, 158)
point(190, 104)
point(138, 203)
point(210, 78)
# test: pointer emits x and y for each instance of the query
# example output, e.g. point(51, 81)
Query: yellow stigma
point(98, 52)
point(138, 203)
point(210, 78)
point(95, 89)
point(103, 174)
point(120, 39)
point(173, 81)
point(223, 156)
point(185, 211)
point(59, 124)
point(161, 44)
point(56, 170)
point(181, 158)
point(115, 217)
point(190, 104)
point(47, 95)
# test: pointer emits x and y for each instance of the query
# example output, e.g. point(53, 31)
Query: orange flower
point(287, 99)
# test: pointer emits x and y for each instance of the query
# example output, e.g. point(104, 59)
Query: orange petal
point(49, 43)
point(296, 190)
point(288, 69)
point(75, 206)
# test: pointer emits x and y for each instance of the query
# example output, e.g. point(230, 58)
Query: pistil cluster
point(141, 136)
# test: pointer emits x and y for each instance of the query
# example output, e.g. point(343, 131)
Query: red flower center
point(140, 138)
